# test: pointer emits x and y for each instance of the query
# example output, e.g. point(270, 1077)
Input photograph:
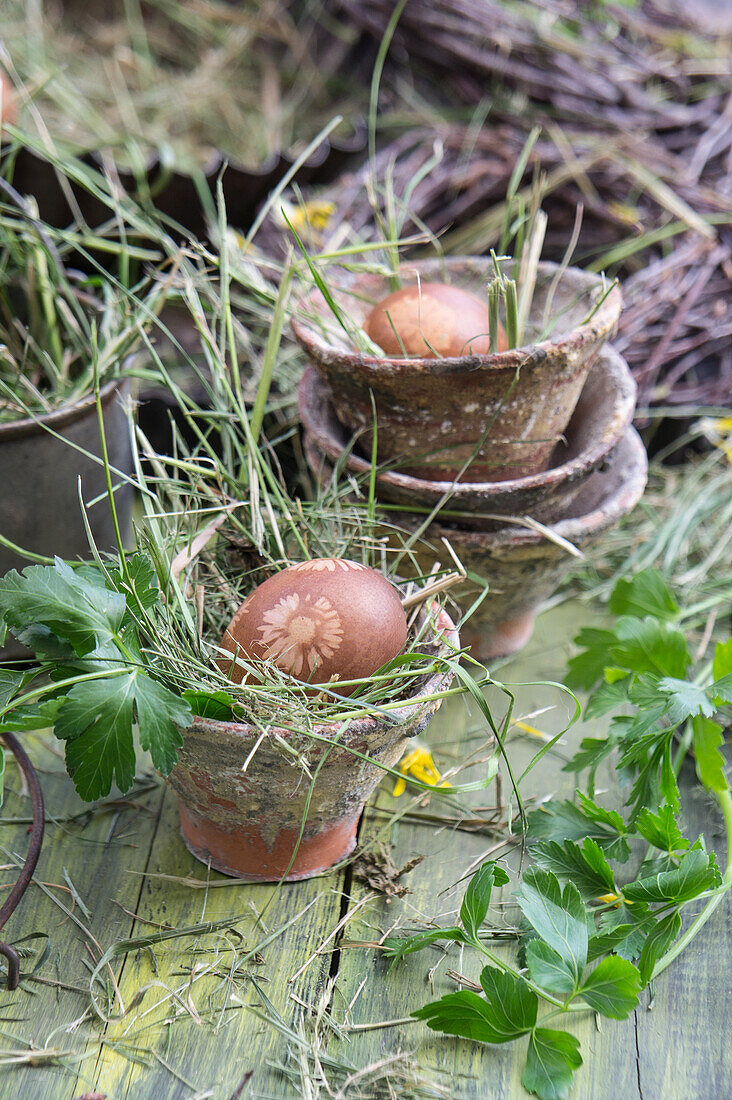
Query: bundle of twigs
point(636, 111)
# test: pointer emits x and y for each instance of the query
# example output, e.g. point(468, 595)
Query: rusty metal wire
point(26, 875)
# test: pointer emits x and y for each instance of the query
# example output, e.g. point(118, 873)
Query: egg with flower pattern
point(319, 619)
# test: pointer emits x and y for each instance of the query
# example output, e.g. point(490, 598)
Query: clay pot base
point(500, 639)
point(246, 856)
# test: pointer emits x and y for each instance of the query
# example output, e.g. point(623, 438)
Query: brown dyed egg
point(318, 619)
point(432, 320)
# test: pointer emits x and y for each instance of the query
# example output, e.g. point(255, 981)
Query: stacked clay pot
point(472, 417)
point(559, 465)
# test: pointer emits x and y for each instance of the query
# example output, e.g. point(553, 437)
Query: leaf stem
point(105, 460)
point(725, 802)
point(508, 969)
point(566, 1007)
point(55, 685)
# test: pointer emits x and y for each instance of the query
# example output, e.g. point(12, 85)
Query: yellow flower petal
point(419, 764)
point(718, 431)
point(613, 899)
point(315, 214)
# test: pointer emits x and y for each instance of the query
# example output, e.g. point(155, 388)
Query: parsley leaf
point(564, 820)
point(514, 1005)
point(685, 699)
point(477, 898)
point(548, 969)
point(612, 988)
point(607, 697)
point(648, 645)
point(721, 690)
point(507, 1011)
point(644, 594)
point(396, 947)
point(68, 605)
point(623, 931)
point(584, 670)
point(96, 720)
point(661, 829)
point(551, 1060)
point(558, 916)
point(80, 618)
point(159, 714)
point(210, 704)
point(657, 943)
point(697, 871)
point(10, 682)
point(143, 584)
point(585, 866)
point(708, 737)
point(39, 715)
point(722, 665)
point(96, 723)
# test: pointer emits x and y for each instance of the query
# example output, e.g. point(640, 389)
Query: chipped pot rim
point(313, 395)
point(443, 630)
point(598, 329)
point(603, 513)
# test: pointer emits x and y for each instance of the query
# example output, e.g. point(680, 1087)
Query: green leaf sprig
point(85, 621)
point(595, 935)
point(559, 976)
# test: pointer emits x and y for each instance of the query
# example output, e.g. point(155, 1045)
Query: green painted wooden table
point(275, 1000)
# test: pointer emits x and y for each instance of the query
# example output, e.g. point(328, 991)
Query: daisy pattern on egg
point(330, 565)
point(300, 634)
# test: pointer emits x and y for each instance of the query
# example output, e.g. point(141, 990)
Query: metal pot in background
point(41, 461)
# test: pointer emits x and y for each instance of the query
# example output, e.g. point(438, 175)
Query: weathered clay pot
point(246, 823)
point(431, 413)
point(603, 413)
point(522, 566)
point(39, 496)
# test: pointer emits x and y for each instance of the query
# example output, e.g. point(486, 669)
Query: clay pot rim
point(444, 628)
point(597, 329)
point(61, 417)
point(565, 473)
point(573, 528)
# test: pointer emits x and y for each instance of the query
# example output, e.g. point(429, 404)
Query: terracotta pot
point(39, 496)
point(523, 566)
point(246, 823)
point(431, 413)
point(603, 413)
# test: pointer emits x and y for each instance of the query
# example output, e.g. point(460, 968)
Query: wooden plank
point(211, 1055)
point(94, 846)
point(683, 1045)
point(689, 1005)
point(677, 1050)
